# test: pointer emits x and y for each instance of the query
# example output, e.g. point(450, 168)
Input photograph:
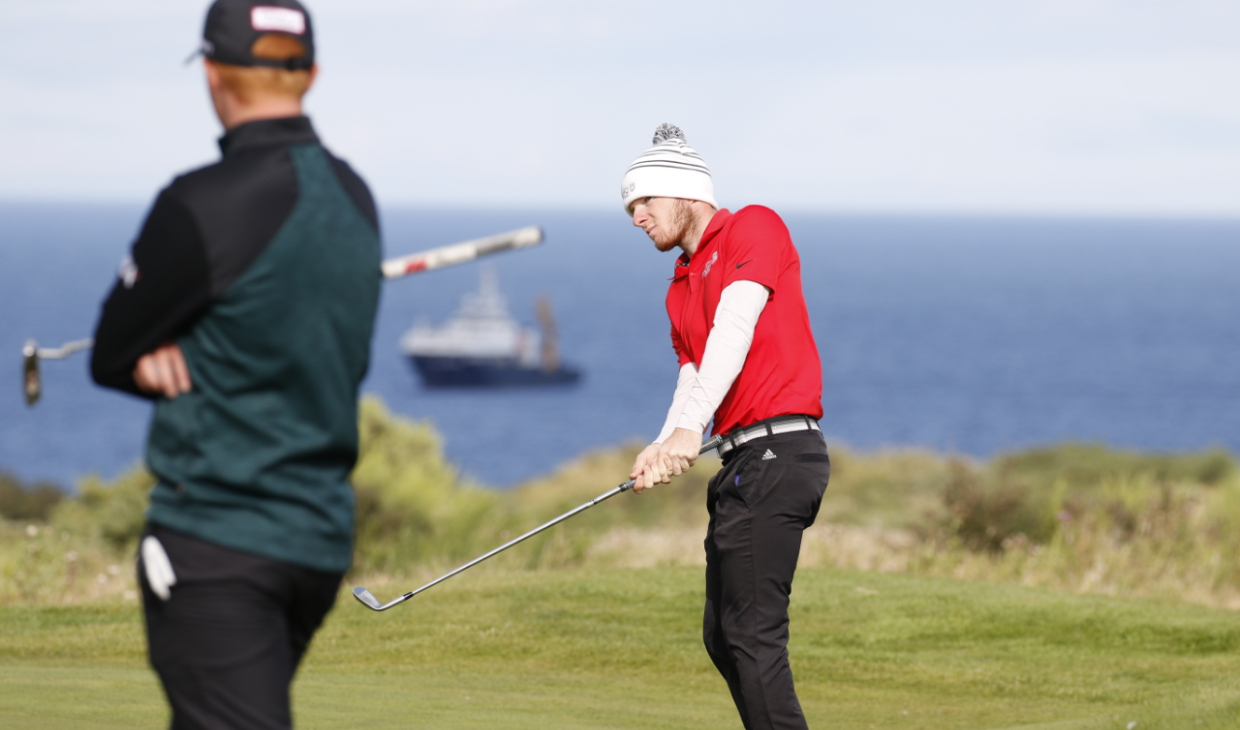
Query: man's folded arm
point(162, 288)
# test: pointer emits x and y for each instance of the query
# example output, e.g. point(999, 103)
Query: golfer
point(749, 363)
point(245, 311)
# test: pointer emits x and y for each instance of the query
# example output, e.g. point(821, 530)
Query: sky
point(1055, 107)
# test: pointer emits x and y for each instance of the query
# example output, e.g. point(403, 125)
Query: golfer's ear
point(213, 74)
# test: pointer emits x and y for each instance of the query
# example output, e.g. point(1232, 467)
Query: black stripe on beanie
point(672, 164)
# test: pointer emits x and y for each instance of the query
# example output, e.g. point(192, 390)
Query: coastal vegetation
point(1074, 586)
point(20, 501)
point(1081, 518)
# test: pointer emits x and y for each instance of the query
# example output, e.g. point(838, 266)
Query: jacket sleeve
point(162, 288)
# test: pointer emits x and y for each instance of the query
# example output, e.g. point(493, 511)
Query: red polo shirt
point(782, 374)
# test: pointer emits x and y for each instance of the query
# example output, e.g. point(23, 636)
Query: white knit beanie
point(670, 169)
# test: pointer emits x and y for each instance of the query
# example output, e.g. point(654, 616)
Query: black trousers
point(760, 502)
point(228, 641)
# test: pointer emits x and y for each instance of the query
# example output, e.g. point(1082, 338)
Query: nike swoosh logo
point(747, 262)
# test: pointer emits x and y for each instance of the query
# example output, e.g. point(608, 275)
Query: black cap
point(234, 25)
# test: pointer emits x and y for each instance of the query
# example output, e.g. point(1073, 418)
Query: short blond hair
point(252, 83)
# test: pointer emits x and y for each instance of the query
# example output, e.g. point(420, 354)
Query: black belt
point(738, 437)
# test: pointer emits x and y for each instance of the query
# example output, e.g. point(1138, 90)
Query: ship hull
point(464, 372)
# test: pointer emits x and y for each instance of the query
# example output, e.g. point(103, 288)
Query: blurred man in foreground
point(749, 363)
point(245, 311)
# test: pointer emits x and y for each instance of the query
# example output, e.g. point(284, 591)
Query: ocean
point(975, 336)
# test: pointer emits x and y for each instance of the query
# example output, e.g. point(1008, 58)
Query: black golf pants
point(760, 502)
point(228, 641)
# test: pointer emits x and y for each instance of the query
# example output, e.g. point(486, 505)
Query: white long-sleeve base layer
point(699, 392)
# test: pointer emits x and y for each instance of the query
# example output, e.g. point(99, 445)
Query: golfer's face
point(661, 219)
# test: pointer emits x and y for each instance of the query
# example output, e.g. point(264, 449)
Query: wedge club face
point(32, 383)
point(368, 598)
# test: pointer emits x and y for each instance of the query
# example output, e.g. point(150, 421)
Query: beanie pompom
point(667, 132)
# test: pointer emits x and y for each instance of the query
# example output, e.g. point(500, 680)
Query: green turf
point(620, 649)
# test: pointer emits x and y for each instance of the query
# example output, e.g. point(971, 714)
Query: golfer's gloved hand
point(157, 568)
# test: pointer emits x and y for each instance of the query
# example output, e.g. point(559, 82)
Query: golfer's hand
point(163, 371)
point(645, 470)
point(680, 451)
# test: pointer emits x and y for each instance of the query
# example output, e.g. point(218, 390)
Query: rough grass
point(620, 649)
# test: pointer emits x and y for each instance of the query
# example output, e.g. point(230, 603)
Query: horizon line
point(826, 211)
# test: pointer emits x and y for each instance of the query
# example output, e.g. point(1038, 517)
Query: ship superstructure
point(483, 345)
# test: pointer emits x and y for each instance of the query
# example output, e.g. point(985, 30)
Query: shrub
point(987, 513)
point(412, 504)
point(27, 502)
point(114, 513)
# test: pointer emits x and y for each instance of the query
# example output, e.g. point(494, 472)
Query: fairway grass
point(622, 649)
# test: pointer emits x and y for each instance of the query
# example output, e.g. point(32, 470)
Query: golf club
point(394, 268)
point(459, 253)
point(32, 381)
point(369, 600)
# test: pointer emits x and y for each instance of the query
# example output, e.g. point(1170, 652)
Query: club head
point(32, 383)
point(367, 598)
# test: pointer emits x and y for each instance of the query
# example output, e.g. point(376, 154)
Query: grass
point(619, 648)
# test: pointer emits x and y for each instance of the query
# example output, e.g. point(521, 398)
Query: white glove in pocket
point(159, 575)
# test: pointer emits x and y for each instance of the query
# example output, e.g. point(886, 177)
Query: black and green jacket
point(265, 269)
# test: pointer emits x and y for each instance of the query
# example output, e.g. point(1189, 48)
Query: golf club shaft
point(602, 497)
point(459, 253)
point(58, 353)
point(394, 268)
point(708, 445)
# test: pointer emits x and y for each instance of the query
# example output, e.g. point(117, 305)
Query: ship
point(483, 346)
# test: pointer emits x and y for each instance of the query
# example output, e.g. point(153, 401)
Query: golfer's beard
point(679, 224)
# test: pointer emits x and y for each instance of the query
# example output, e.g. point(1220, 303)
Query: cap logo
point(627, 191)
point(282, 20)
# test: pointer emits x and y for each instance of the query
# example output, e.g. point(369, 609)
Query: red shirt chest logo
point(709, 264)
